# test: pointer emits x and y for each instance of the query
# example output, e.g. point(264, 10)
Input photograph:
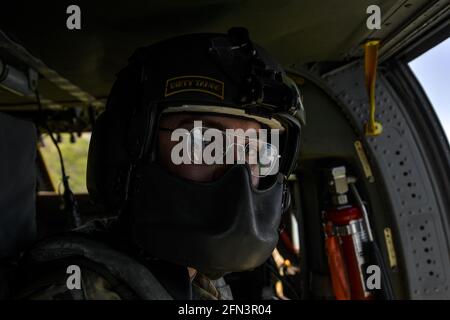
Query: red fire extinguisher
point(347, 242)
point(347, 224)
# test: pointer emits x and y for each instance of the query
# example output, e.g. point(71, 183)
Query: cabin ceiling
point(294, 31)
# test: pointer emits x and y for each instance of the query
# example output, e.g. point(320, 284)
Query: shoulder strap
point(119, 265)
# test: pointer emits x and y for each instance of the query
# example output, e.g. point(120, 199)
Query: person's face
point(198, 172)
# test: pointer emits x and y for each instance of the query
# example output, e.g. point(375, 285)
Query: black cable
point(375, 253)
point(387, 286)
point(70, 204)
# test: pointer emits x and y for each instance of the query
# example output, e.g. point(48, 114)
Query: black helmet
point(219, 73)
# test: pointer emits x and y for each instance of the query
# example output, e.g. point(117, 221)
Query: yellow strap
point(372, 128)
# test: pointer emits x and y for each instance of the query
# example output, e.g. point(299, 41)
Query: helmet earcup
point(108, 161)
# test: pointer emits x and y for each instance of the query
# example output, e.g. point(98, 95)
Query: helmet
point(217, 227)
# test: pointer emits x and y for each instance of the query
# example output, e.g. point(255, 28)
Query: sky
point(432, 69)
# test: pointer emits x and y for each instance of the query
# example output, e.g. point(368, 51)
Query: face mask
point(216, 227)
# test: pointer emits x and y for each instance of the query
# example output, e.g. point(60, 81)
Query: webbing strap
point(125, 268)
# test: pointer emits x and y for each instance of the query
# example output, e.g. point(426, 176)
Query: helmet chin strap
point(285, 204)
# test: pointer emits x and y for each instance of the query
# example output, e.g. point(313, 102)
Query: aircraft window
point(74, 151)
point(432, 69)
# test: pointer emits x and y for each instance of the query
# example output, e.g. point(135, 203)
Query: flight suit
point(109, 269)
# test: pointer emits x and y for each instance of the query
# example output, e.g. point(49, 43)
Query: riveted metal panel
point(403, 166)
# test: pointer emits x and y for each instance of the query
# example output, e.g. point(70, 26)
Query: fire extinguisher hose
point(339, 279)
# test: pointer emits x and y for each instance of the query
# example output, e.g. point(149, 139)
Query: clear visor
point(214, 146)
point(205, 145)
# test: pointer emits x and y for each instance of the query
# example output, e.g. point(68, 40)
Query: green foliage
point(75, 160)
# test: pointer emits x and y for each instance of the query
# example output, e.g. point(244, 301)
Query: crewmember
point(181, 224)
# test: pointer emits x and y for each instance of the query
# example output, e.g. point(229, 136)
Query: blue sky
point(433, 71)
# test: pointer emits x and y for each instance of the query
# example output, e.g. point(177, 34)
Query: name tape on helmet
point(195, 84)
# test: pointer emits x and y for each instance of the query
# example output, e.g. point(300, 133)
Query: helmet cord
point(70, 203)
